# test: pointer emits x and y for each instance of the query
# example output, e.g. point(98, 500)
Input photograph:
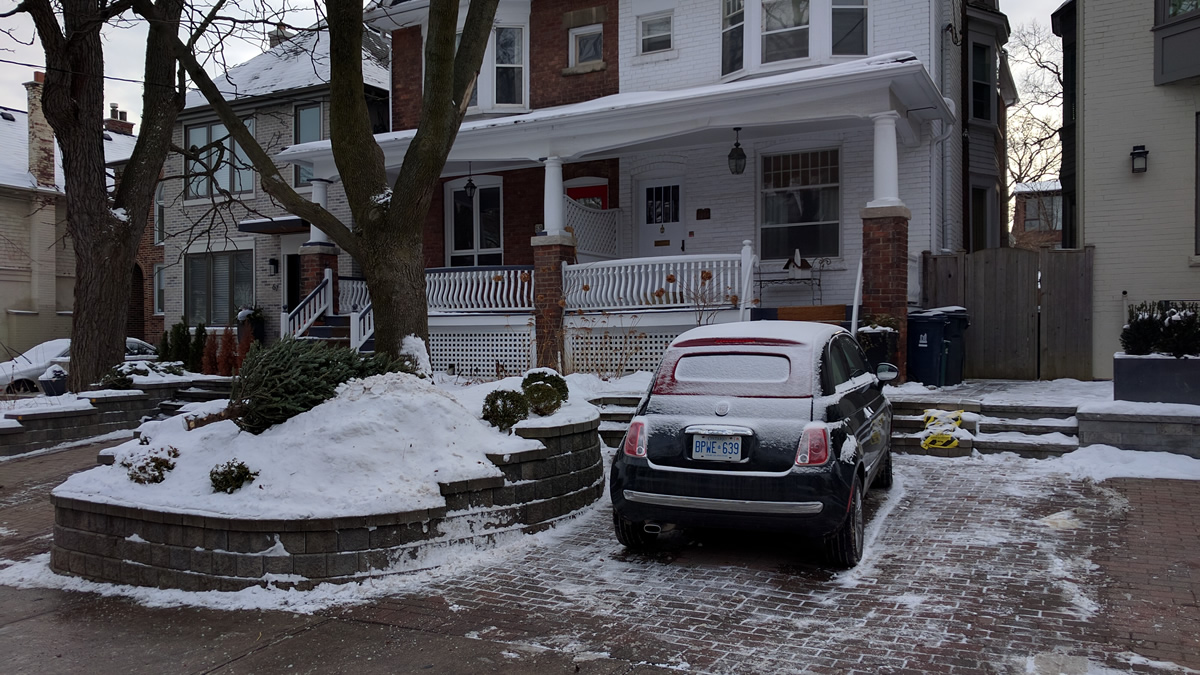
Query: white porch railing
point(703, 282)
point(479, 289)
point(318, 303)
point(362, 326)
point(352, 293)
point(595, 229)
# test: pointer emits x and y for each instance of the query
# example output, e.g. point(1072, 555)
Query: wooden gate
point(1030, 312)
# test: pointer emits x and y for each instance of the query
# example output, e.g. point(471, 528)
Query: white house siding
point(1142, 225)
point(733, 201)
point(273, 129)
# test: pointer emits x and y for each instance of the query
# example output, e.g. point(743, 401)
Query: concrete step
point(1045, 425)
point(615, 414)
point(621, 401)
point(903, 405)
point(1028, 412)
point(916, 423)
point(328, 332)
point(1036, 446)
point(336, 320)
point(910, 444)
point(198, 394)
point(612, 433)
point(171, 407)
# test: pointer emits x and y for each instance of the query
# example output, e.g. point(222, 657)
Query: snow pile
point(381, 445)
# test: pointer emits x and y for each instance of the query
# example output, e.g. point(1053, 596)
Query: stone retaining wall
point(1166, 433)
point(168, 550)
point(46, 427)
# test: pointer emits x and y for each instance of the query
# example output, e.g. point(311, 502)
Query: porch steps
point(204, 390)
point(615, 414)
point(1037, 431)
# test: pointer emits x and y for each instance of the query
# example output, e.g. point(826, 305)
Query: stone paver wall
point(1166, 433)
point(171, 550)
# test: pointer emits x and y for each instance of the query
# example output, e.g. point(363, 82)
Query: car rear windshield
point(728, 374)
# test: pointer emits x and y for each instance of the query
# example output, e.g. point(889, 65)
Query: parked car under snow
point(767, 425)
point(20, 375)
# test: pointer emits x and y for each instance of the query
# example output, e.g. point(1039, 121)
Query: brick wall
point(551, 83)
point(407, 57)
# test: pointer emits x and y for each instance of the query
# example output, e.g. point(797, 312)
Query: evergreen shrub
point(231, 476)
point(543, 399)
point(503, 408)
point(294, 376)
point(164, 346)
point(1141, 335)
point(153, 467)
point(551, 378)
point(180, 342)
point(195, 362)
point(1167, 327)
point(1180, 332)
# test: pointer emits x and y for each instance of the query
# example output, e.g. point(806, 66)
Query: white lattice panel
point(481, 352)
point(615, 350)
point(595, 229)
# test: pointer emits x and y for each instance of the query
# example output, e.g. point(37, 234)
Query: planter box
point(1156, 379)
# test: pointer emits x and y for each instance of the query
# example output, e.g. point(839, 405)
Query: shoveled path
point(975, 568)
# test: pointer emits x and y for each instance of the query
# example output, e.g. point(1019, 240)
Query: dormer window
point(786, 32)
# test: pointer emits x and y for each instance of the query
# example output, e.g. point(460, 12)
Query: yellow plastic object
point(940, 426)
point(939, 441)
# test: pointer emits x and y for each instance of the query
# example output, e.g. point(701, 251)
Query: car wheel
point(845, 546)
point(631, 535)
point(884, 478)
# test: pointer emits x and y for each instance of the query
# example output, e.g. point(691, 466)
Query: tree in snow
point(105, 225)
point(388, 218)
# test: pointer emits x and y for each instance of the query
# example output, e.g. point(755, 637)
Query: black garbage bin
point(957, 322)
point(53, 381)
point(927, 347)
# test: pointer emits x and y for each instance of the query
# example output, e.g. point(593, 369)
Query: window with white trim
point(217, 285)
point(587, 45)
point(307, 127)
point(983, 82)
point(800, 205)
point(503, 81)
point(475, 224)
point(223, 168)
point(160, 290)
point(655, 33)
point(770, 34)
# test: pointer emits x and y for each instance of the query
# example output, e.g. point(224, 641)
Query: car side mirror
point(886, 372)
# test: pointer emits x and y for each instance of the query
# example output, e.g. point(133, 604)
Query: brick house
point(1131, 154)
point(1037, 214)
point(617, 149)
point(37, 258)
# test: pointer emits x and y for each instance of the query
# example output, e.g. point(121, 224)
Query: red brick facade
point(314, 258)
point(143, 323)
point(550, 22)
point(885, 267)
point(548, 302)
point(407, 57)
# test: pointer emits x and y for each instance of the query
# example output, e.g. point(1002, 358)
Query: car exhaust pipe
point(652, 528)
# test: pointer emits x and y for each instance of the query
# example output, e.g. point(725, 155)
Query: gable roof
point(301, 62)
point(14, 151)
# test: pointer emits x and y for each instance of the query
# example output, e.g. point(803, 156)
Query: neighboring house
point(648, 140)
point(1037, 214)
point(227, 245)
point(1131, 154)
point(37, 258)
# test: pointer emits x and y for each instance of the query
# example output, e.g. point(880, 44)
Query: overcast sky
point(124, 50)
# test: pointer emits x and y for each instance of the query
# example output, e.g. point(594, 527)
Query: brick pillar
point(885, 269)
point(549, 254)
point(314, 258)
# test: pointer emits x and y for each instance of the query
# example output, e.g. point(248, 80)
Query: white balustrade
point(479, 289)
point(686, 281)
point(595, 229)
point(318, 303)
point(362, 326)
point(352, 293)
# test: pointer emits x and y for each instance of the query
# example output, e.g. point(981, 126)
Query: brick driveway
point(974, 567)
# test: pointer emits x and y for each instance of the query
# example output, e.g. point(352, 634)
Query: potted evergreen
point(1161, 358)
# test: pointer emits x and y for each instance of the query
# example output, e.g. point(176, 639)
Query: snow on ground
point(1015, 392)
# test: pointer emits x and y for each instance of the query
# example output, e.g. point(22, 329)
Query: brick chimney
point(41, 136)
point(279, 35)
point(116, 121)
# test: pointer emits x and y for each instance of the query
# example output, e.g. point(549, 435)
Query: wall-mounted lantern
point(1138, 158)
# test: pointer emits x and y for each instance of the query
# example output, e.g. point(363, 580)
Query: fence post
point(284, 329)
point(746, 292)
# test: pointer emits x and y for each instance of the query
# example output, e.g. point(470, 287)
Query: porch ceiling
point(831, 97)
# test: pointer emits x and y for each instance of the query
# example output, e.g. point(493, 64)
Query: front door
point(661, 229)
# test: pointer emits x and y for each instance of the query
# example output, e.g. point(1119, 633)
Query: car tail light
point(635, 439)
point(814, 447)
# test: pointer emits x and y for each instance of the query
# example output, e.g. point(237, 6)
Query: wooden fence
point(1030, 312)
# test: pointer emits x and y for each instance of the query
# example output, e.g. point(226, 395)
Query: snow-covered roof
point(14, 150)
point(852, 90)
point(297, 63)
point(1037, 186)
point(802, 332)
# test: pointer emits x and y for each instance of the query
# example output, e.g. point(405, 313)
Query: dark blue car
point(767, 425)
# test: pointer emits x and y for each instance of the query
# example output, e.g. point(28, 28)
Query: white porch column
point(320, 197)
point(887, 162)
point(552, 205)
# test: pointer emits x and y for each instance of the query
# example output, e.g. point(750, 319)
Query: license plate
point(717, 448)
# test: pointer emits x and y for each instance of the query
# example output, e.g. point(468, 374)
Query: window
point(160, 289)
point(655, 33)
point(1043, 212)
point(849, 27)
point(733, 368)
point(801, 205)
point(307, 128)
point(662, 204)
point(983, 79)
point(788, 30)
point(503, 76)
point(475, 225)
point(160, 215)
point(784, 30)
point(1174, 8)
point(223, 168)
point(587, 45)
point(217, 286)
point(733, 17)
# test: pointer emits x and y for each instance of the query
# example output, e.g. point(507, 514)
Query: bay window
point(217, 285)
point(800, 205)
point(785, 31)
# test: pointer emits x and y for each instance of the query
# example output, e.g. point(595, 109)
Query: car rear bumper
point(725, 505)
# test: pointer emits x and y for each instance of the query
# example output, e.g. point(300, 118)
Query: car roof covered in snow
point(800, 332)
